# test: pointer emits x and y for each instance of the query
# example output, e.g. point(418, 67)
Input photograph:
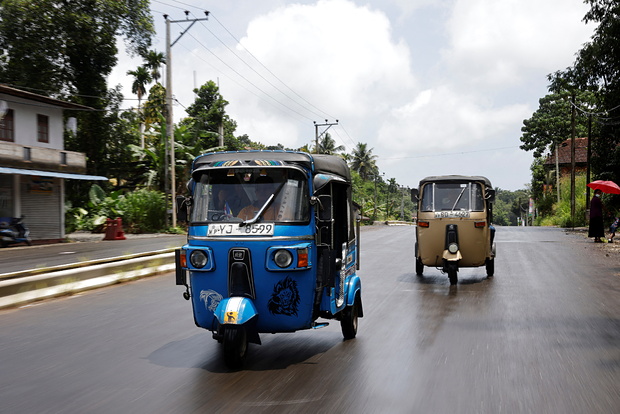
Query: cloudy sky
point(432, 86)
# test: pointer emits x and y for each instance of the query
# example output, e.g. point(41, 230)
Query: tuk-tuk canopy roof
point(456, 178)
point(317, 163)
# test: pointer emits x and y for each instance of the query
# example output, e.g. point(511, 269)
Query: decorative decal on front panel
point(211, 299)
point(285, 298)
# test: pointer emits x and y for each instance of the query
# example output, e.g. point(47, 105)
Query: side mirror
point(325, 207)
point(415, 193)
point(490, 195)
point(183, 206)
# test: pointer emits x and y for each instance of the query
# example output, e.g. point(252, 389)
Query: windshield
point(452, 197)
point(239, 195)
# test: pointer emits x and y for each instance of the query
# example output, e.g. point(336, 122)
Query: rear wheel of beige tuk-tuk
point(490, 265)
point(419, 266)
point(235, 345)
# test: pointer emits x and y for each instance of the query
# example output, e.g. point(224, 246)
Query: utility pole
point(169, 117)
point(572, 161)
point(589, 155)
point(316, 132)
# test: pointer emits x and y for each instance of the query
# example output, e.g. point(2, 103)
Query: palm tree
point(141, 78)
point(327, 145)
point(154, 60)
point(364, 162)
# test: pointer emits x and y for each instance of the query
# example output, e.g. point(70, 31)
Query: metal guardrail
point(24, 287)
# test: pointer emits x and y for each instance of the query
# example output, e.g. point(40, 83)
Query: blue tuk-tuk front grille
point(240, 278)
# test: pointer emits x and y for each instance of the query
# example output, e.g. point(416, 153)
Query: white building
point(33, 162)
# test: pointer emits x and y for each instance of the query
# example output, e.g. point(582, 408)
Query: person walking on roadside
point(596, 229)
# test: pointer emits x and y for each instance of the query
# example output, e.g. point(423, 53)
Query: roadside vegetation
point(583, 101)
point(69, 53)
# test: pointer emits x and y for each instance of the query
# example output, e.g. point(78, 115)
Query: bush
point(144, 211)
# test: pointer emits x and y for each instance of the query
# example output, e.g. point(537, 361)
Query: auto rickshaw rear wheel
point(490, 265)
point(419, 267)
point(348, 322)
point(235, 345)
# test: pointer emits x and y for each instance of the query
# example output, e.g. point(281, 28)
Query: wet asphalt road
point(542, 336)
point(16, 257)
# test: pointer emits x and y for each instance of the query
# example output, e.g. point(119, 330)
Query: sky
point(433, 87)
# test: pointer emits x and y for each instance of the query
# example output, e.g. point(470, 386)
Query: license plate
point(452, 214)
point(233, 229)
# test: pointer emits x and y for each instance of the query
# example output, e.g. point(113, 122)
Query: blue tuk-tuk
point(272, 246)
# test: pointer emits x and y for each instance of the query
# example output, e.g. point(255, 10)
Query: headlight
point(198, 259)
point(453, 248)
point(283, 258)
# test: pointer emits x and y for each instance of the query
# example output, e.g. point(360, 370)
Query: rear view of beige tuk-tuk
point(454, 224)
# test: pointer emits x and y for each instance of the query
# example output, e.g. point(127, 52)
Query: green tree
point(67, 51)
point(208, 113)
point(327, 145)
point(551, 123)
point(142, 77)
point(154, 60)
point(597, 68)
point(363, 161)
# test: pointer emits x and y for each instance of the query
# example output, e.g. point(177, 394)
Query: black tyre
point(235, 345)
point(348, 322)
point(490, 265)
point(453, 273)
point(419, 267)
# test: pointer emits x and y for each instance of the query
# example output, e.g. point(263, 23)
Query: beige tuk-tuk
point(454, 226)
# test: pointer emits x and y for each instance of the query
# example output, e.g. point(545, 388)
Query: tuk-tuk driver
point(263, 188)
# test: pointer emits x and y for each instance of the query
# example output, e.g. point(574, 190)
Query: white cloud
point(415, 80)
point(338, 56)
point(439, 120)
point(503, 42)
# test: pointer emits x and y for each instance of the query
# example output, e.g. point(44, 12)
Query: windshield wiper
point(458, 198)
point(264, 207)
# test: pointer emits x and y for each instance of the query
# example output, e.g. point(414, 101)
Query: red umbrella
point(605, 186)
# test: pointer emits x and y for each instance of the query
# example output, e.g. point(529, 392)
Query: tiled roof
point(564, 150)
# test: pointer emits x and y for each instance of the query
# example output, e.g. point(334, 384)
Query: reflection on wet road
point(542, 336)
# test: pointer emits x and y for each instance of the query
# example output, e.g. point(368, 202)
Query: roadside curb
point(19, 288)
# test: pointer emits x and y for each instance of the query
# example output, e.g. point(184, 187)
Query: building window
point(7, 127)
point(63, 158)
point(27, 154)
point(43, 128)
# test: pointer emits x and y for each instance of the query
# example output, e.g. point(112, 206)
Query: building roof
point(7, 90)
point(564, 152)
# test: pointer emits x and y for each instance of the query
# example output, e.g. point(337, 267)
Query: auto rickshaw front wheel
point(348, 322)
point(235, 345)
point(452, 269)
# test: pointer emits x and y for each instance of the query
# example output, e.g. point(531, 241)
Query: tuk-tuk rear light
point(480, 224)
point(302, 258)
point(198, 259)
point(283, 258)
point(423, 223)
point(183, 259)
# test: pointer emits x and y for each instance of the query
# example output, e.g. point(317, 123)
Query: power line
point(448, 153)
point(247, 80)
point(323, 113)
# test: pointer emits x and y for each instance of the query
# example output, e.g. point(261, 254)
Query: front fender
point(450, 257)
point(353, 287)
point(235, 311)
